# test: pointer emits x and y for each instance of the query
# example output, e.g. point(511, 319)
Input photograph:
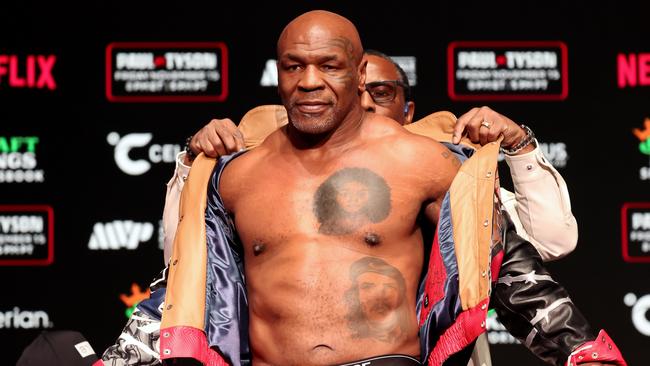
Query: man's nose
point(367, 103)
point(310, 79)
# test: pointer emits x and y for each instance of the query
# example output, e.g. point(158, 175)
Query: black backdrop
point(589, 133)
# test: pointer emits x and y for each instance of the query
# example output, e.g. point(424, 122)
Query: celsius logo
point(18, 160)
point(17, 319)
point(407, 63)
point(120, 234)
point(633, 70)
point(33, 71)
point(156, 153)
point(644, 146)
point(640, 308)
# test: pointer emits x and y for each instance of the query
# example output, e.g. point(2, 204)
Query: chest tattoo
point(349, 199)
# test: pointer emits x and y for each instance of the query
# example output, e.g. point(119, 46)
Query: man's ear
point(362, 75)
point(408, 116)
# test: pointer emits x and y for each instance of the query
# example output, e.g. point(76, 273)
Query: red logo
point(635, 232)
point(167, 72)
point(633, 70)
point(31, 71)
point(26, 235)
point(507, 70)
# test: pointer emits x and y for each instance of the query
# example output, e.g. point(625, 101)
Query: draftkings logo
point(635, 231)
point(497, 333)
point(407, 63)
point(134, 153)
point(644, 147)
point(27, 72)
point(120, 234)
point(18, 162)
point(26, 235)
point(536, 70)
point(167, 72)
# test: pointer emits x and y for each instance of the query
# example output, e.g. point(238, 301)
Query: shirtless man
point(342, 203)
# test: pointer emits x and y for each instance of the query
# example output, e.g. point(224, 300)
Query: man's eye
point(292, 67)
point(328, 67)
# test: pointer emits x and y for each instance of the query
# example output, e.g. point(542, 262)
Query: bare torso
point(332, 247)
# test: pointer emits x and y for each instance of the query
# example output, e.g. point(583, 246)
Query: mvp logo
point(119, 234)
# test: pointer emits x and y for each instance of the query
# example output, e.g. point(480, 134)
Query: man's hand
point(219, 137)
point(483, 125)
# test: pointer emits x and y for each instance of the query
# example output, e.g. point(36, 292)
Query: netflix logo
point(28, 72)
point(633, 70)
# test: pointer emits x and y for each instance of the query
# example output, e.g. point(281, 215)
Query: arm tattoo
point(449, 155)
point(350, 199)
point(377, 306)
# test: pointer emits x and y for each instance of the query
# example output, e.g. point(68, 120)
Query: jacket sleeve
point(542, 205)
point(534, 307)
point(172, 200)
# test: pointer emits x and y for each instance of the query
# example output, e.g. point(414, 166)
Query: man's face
point(378, 295)
point(318, 79)
point(378, 70)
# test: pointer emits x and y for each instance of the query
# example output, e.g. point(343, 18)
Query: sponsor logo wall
point(90, 131)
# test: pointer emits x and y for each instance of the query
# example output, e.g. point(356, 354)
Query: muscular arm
point(441, 166)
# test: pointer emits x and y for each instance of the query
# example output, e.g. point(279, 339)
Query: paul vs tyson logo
point(505, 70)
point(167, 72)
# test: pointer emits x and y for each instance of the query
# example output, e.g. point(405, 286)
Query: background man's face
point(317, 79)
point(379, 69)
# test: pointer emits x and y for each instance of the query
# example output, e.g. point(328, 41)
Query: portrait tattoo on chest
point(350, 199)
point(377, 306)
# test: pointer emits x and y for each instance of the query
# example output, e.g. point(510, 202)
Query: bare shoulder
point(237, 172)
point(414, 150)
point(434, 165)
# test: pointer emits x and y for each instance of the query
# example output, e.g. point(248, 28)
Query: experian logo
point(17, 319)
point(165, 153)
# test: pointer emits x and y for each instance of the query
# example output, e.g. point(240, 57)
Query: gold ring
point(485, 124)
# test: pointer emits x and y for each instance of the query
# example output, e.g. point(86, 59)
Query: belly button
point(372, 239)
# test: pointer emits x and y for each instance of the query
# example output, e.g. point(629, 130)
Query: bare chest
point(358, 205)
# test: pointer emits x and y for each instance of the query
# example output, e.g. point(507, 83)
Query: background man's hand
point(483, 125)
point(219, 137)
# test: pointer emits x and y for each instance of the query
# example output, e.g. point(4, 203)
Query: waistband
point(387, 360)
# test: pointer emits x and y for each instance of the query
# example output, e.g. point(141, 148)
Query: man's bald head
point(321, 25)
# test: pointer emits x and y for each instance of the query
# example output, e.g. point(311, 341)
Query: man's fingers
point(461, 124)
point(215, 142)
point(239, 139)
point(474, 127)
point(227, 137)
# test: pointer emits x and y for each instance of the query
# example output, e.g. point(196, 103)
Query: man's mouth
point(312, 107)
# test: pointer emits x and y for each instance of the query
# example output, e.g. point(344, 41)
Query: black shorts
point(387, 360)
